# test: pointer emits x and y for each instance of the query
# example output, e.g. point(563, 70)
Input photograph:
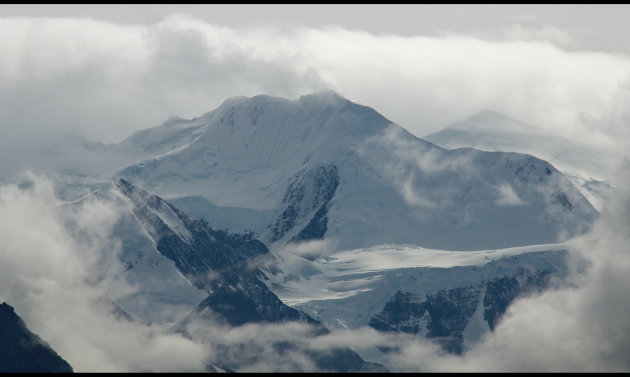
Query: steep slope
point(251, 147)
point(450, 297)
point(228, 268)
point(445, 315)
point(21, 351)
point(222, 264)
point(322, 167)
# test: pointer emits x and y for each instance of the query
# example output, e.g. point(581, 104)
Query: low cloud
point(507, 196)
point(103, 80)
point(310, 249)
point(58, 267)
point(405, 162)
point(583, 327)
point(47, 272)
point(579, 326)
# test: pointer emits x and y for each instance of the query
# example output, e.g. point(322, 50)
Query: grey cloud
point(582, 327)
point(105, 80)
point(58, 266)
point(108, 80)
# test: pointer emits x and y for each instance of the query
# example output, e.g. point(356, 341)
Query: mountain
point(449, 297)
point(323, 213)
point(21, 351)
point(323, 167)
point(227, 267)
point(447, 314)
point(586, 166)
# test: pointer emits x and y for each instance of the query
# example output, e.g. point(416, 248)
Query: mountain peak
point(325, 96)
point(489, 118)
point(485, 115)
point(487, 122)
point(320, 98)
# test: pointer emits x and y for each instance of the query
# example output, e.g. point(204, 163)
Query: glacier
point(344, 219)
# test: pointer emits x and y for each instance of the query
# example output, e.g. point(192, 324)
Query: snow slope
point(324, 167)
point(350, 272)
point(587, 167)
point(452, 297)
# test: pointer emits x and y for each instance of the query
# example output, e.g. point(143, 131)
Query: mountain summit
point(323, 167)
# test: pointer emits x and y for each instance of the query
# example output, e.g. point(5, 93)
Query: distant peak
point(485, 115)
point(234, 100)
point(495, 122)
point(324, 96)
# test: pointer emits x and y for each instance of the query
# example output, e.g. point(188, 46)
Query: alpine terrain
point(323, 213)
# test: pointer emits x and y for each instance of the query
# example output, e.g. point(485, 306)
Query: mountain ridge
point(22, 351)
point(253, 150)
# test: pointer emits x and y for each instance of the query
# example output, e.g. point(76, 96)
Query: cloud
point(507, 196)
point(582, 327)
point(58, 266)
point(106, 80)
point(539, 33)
point(51, 254)
point(579, 326)
point(405, 162)
point(309, 249)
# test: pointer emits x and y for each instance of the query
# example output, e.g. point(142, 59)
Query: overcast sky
point(591, 27)
point(107, 70)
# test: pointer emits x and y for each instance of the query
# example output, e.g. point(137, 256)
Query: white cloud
point(46, 272)
point(57, 264)
point(580, 328)
point(507, 196)
point(106, 80)
point(310, 249)
point(539, 33)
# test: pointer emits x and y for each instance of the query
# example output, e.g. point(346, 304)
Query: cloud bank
point(58, 266)
point(60, 76)
point(104, 80)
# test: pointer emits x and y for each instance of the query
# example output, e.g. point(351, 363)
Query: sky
point(104, 71)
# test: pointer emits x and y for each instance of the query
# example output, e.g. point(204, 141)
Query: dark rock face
point(443, 315)
point(450, 310)
point(402, 314)
point(22, 351)
point(500, 292)
point(446, 314)
point(223, 264)
point(226, 266)
point(308, 194)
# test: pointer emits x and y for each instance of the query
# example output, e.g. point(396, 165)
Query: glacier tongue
point(451, 297)
point(351, 272)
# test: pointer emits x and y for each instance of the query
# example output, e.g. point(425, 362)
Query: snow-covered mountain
point(355, 222)
point(325, 167)
point(451, 297)
point(586, 166)
point(227, 267)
